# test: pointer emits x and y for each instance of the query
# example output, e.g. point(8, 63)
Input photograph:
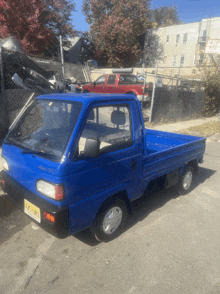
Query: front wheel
point(110, 221)
point(184, 185)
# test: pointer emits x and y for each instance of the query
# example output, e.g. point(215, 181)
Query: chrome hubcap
point(187, 180)
point(112, 220)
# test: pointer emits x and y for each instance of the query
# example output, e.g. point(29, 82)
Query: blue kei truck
point(77, 161)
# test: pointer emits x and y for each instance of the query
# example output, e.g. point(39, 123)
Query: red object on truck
point(119, 84)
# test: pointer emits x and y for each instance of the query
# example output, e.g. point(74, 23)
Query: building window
point(177, 39)
point(184, 39)
point(174, 60)
point(203, 37)
point(167, 38)
point(201, 58)
point(182, 60)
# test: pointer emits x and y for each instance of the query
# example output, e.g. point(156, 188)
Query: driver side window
point(110, 126)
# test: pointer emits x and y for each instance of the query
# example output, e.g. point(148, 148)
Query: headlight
point(50, 190)
point(5, 164)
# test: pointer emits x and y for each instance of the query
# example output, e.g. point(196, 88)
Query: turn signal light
point(49, 217)
point(59, 192)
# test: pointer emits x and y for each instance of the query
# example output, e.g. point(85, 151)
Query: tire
point(110, 221)
point(184, 185)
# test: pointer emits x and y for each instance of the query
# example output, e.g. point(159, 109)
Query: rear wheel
point(184, 185)
point(110, 221)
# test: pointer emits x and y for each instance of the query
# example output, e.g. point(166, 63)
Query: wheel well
point(86, 91)
point(120, 195)
point(194, 164)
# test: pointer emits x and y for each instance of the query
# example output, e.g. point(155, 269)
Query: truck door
point(119, 162)
point(111, 84)
point(99, 85)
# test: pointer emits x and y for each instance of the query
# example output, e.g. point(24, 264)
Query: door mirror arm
point(91, 149)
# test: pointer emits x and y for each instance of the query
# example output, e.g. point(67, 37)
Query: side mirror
point(91, 149)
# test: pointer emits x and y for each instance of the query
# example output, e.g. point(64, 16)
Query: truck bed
point(168, 151)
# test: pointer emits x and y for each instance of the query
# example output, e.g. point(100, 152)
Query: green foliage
point(165, 16)
point(211, 78)
point(88, 52)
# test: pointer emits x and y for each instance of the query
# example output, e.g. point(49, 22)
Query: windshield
point(45, 128)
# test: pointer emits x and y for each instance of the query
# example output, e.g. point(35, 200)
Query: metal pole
point(144, 69)
point(1, 72)
point(153, 94)
point(178, 76)
point(62, 61)
point(22, 110)
point(145, 79)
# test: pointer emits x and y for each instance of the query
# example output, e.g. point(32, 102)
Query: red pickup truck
point(119, 84)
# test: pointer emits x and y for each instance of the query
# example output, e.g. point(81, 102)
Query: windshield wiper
point(41, 153)
point(10, 142)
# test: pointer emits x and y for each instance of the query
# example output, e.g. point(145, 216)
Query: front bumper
point(18, 193)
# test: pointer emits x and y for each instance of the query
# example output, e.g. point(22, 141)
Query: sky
point(189, 11)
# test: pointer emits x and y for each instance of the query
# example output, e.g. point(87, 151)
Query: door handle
point(133, 164)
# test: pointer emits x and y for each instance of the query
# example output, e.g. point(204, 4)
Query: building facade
point(184, 45)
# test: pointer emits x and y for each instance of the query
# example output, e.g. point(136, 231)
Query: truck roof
point(87, 97)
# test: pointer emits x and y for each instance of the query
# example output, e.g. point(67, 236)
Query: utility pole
point(62, 61)
point(144, 68)
point(153, 94)
point(1, 71)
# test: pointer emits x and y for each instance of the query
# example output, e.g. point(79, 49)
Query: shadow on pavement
point(148, 203)
point(7, 206)
point(86, 237)
point(12, 219)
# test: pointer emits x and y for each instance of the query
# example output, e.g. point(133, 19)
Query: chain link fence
point(22, 75)
point(177, 94)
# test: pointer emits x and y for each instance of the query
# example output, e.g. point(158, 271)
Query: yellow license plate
point(32, 210)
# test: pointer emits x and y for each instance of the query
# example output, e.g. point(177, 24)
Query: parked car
point(57, 82)
point(77, 161)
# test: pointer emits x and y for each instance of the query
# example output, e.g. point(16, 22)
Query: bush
point(212, 91)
